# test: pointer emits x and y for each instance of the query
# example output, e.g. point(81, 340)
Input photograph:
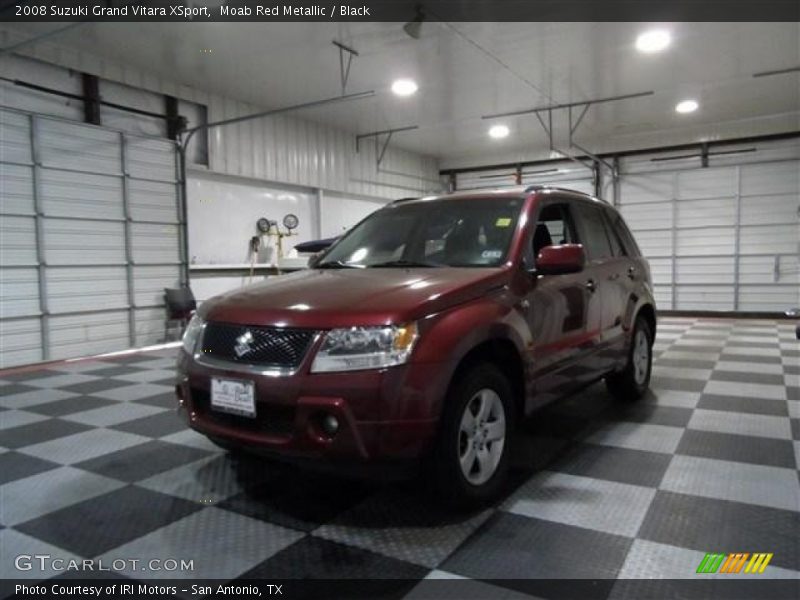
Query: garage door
point(90, 235)
point(725, 237)
point(566, 174)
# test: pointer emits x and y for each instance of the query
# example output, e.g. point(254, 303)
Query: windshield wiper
point(337, 264)
point(405, 263)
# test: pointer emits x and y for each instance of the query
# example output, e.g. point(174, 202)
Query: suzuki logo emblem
point(243, 342)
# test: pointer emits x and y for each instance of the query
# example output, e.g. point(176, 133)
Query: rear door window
point(594, 236)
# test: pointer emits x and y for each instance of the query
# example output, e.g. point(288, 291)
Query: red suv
point(426, 332)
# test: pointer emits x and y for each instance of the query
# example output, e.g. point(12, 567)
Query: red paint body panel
point(555, 325)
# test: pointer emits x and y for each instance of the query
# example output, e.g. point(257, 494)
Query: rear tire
point(470, 460)
point(632, 382)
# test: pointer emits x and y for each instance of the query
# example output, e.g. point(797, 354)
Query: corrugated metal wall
point(90, 235)
point(566, 174)
point(278, 149)
point(724, 237)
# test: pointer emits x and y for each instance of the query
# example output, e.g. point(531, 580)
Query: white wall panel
point(704, 297)
point(15, 137)
point(86, 195)
point(71, 242)
point(656, 243)
point(765, 298)
point(223, 211)
point(762, 269)
point(149, 326)
point(153, 201)
point(771, 239)
point(21, 342)
point(151, 158)
point(661, 271)
point(19, 293)
point(149, 283)
point(78, 289)
point(771, 178)
point(712, 270)
point(155, 243)
point(340, 213)
point(652, 215)
point(767, 210)
point(67, 145)
point(707, 183)
point(650, 187)
point(717, 212)
point(17, 240)
point(16, 189)
point(663, 296)
point(86, 335)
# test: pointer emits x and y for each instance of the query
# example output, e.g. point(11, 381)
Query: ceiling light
point(498, 131)
point(414, 27)
point(404, 87)
point(655, 40)
point(686, 106)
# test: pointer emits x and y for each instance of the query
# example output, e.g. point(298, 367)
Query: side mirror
point(557, 260)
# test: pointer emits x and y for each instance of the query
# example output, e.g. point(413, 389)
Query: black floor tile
point(710, 525)
point(636, 467)
point(766, 360)
point(796, 430)
point(674, 383)
point(510, 546)
point(154, 426)
point(14, 465)
point(69, 406)
point(165, 400)
point(747, 377)
point(132, 359)
point(738, 448)
point(792, 392)
point(711, 348)
point(315, 558)
point(115, 370)
point(142, 461)
point(98, 385)
point(93, 527)
point(653, 414)
point(292, 499)
point(741, 404)
point(41, 431)
point(15, 388)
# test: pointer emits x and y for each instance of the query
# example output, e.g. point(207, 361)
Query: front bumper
point(384, 415)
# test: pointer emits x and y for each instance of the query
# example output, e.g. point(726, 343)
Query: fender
point(447, 337)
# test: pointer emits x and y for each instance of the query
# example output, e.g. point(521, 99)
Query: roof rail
point(406, 199)
point(538, 187)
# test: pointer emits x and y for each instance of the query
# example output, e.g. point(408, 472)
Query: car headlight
point(192, 334)
point(357, 348)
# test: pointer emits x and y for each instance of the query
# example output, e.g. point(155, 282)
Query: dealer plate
point(233, 396)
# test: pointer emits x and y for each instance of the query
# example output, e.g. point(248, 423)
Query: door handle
point(591, 286)
point(631, 272)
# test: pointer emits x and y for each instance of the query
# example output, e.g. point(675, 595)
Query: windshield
point(443, 233)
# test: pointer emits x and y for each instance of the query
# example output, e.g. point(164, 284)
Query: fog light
point(330, 425)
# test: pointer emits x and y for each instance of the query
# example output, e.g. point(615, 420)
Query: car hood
point(328, 298)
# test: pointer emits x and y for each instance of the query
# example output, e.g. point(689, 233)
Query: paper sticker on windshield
point(492, 254)
point(502, 222)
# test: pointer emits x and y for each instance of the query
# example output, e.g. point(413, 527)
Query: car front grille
point(271, 419)
point(263, 346)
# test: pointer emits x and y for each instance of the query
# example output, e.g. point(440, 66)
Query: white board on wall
point(340, 213)
point(222, 212)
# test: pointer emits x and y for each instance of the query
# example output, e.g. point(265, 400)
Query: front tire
point(632, 382)
point(471, 457)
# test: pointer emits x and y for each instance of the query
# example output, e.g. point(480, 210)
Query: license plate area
point(233, 396)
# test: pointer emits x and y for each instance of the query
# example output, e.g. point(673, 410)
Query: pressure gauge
point(263, 225)
point(290, 221)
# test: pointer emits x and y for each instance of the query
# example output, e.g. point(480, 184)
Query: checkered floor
point(95, 463)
